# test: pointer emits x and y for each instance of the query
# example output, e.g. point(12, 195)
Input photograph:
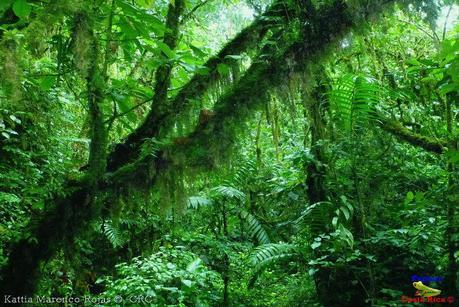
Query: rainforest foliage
point(229, 153)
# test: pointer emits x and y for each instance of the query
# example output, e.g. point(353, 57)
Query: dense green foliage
point(234, 153)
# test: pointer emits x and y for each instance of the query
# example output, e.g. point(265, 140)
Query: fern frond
point(353, 98)
point(113, 234)
point(195, 202)
point(243, 174)
point(255, 228)
point(229, 192)
point(268, 254)
point(318, 215)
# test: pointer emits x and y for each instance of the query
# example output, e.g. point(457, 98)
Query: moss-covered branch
point(164, 118)
point(129, 150)
point(214, 139)
point(415, 139)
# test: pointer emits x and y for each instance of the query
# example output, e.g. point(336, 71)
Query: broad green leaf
point(166, 50)
point(197, 51)
point(21, 8)
point(223, 69)
point(47, 82)
point(345, 212)
point(409, 197)
point(187, 282)
point(15, 119)
point(194, 265)
point(315, 245)
point(233, 57)
point(335, 221)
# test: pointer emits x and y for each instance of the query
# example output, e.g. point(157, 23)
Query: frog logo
point(425, 291)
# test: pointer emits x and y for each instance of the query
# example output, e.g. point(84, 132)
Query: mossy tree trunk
point(452, 198)
point(315, 180)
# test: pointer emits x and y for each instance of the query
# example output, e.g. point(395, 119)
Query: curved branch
point(164, 119)
point(398, 130)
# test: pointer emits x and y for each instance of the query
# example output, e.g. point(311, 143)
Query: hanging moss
point(162, 122)
point(83, 43)
point(11, 72)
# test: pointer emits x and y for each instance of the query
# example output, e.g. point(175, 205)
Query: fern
point(268, 254)
point(243, 175)
point(229, 192)
point(195, 202)
point(353, 98)
point(255, 230)
point(318, 215)
point(116, 237)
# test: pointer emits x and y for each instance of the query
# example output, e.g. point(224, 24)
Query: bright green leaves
point(21, 8)
point(352, 98)
point(228, 192)
point(137, 28)
point(441, 71)
point(223, 69)
point(317, 243)
point(127, 94)
point(170, 276)
point(255, 229)
point(267, 255)
point(414, 198)
point(346, 209)
point(9, 123)
point(9, 198)
point(450, 66)
point(168, 52)
point(139, 22)
point(195, 202)
point(47, 82)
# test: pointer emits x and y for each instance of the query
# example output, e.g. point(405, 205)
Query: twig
point(433, 36)
point(115, 116)
point(446, 22)
point(194, 9)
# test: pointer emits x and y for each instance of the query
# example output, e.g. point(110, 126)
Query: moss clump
point(83, 43)
point(11, 72)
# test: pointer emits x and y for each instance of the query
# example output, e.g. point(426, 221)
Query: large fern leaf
point(229, 192)
point(268, 254)
point(244, 174)
point(195, 202)
point(116, 236)
point(255, 229)
point(352, 98)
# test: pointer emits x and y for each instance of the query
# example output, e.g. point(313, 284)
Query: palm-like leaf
point(116, 236)
point(255, 228)
point(229, 192)
point(352, 98)
point(195, 202)
point(268, 254)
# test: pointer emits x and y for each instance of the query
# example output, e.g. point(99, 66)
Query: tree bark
point(130, 149)
point(398, 130)
point(451, 203)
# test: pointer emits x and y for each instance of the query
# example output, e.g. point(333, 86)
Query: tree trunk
point(451, 202)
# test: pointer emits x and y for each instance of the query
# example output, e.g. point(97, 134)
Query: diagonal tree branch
point(398, 130)
point(164, 118)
